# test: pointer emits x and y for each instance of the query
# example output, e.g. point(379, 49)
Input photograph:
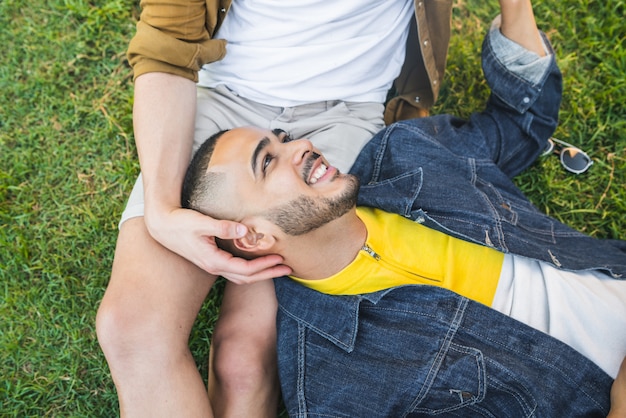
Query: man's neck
point(328, 250)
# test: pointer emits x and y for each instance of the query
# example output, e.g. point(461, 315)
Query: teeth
point(321, 170)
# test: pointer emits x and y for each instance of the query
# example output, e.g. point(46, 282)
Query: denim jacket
point(455, 176)
point(421, 350)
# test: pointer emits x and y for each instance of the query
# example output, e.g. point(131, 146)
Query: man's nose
point(300, 149)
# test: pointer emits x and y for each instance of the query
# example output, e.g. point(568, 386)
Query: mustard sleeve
point(174, 36)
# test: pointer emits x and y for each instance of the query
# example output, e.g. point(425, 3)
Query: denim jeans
point(415, 351)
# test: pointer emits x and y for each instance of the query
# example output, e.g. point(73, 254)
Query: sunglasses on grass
point(573, 159)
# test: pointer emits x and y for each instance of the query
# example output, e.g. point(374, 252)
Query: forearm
point(163, 114)
point(518, 24)
point(526, 92)
point(164, 119)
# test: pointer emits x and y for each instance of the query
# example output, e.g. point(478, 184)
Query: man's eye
point(266, 161)
point(286, 138)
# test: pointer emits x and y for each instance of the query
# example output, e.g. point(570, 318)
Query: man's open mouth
point(318, 173)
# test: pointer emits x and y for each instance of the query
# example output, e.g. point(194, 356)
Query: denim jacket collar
point(319, 312)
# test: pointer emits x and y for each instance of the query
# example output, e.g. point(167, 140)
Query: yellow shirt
point(399, 251)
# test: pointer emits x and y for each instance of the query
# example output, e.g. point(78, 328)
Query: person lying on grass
point(430, 202)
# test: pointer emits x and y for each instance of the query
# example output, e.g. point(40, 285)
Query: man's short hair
point(201, 188)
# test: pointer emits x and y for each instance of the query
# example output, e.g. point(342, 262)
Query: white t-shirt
point(287, 53)
point(584, 309)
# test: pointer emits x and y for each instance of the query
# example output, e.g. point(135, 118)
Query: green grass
point(68, 162)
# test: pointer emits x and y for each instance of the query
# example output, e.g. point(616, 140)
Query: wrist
point(155, 216)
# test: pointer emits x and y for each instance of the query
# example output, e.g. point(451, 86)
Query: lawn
point(68, 161)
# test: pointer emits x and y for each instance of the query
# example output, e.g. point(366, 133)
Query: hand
point(191, 235)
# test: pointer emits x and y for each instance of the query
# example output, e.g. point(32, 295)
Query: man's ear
point(255, 241)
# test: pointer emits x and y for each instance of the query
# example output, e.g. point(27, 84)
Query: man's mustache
point(308, 165)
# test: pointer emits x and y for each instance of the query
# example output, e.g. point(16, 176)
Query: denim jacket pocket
point(459, 382)
point(491, 392)
point(519, 213)
point(394, 195)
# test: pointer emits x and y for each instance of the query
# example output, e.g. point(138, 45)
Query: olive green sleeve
point(174, 36)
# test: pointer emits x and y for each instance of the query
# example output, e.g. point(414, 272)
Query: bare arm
point(164, 115)
point(518, 24)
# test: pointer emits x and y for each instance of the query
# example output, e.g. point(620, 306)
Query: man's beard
point(305, 214)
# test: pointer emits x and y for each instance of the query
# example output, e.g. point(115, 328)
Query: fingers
point(192, 235)
point(227, 229)
point(241, 271)
point(235, 269)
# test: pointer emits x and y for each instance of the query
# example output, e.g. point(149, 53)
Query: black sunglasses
point(572, 158)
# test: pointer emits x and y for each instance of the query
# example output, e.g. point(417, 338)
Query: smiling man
point(296, 204)
point(320, 198)
point(428, 202)
point(279, 189)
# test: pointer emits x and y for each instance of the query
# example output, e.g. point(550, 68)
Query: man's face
point(285, 181)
